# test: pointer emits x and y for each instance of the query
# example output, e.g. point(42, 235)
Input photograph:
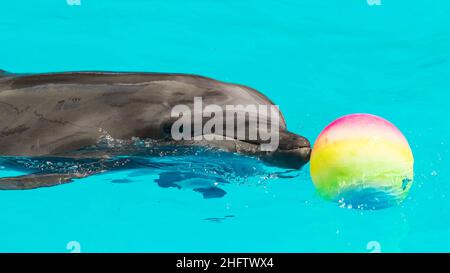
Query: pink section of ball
point(361, 125)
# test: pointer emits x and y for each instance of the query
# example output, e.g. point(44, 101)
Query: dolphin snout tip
point(294, 151)
point(305, 153)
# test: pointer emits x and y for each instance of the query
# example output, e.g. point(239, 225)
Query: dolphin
point(100, 115)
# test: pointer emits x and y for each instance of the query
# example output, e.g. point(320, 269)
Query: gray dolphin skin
point(66, 115)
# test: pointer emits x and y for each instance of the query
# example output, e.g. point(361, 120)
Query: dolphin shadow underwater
point(86, 123)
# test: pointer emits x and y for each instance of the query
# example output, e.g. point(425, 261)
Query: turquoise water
point(318, 60)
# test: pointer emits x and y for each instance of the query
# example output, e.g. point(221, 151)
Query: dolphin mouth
point(294, 151)
point(294, 158)
point(303, 152)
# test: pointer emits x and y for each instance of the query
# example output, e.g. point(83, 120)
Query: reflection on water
point(203, 170)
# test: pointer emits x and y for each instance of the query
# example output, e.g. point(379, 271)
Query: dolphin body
point(72, 115)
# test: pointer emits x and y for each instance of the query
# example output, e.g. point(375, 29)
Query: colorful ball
point(362, 161)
